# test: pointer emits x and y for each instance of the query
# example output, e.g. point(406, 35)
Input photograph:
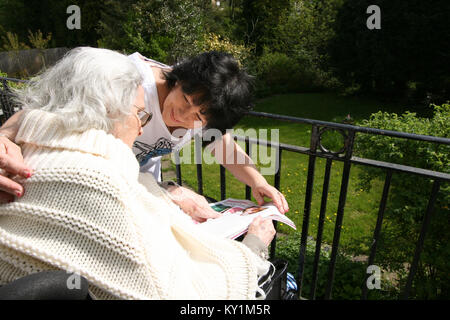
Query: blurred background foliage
point(289, 45)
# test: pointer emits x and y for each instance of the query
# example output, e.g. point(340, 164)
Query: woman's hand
point(192, 203)
point(263, 229)
point(265, 189)
point(11, 163)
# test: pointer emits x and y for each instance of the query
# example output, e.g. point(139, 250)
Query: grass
point(361, 206)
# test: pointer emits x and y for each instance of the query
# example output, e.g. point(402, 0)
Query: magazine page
point(237, 215)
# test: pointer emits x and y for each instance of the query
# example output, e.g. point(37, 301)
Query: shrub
point(11, 84)
point(164, 30)
point(274, 72)
point(11, 42)
point(212, 41)
point(349, 275)
point(278, 73)
point(409, 196)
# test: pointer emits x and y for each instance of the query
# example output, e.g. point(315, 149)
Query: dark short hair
point(217, 83)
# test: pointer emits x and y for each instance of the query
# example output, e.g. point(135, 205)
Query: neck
point(172, 129)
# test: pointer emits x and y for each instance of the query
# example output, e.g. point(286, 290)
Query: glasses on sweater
point(143, 116)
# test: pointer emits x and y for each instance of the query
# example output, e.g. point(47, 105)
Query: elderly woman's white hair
point(89, 88)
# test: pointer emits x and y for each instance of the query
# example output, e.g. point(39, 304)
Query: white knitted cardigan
point(84, 211)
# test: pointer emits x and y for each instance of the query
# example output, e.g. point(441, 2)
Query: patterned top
point(156, 139)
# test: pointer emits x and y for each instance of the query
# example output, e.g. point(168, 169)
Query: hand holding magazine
point(237, 215)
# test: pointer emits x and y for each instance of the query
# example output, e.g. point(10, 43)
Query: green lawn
point(361, 206)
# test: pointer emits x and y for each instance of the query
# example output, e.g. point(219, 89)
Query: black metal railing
point(345, 155)
point(7, 106)
point(317, 150)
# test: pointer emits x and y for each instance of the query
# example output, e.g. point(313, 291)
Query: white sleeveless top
point(156, 139)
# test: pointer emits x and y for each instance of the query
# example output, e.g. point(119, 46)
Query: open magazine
point(237, 215)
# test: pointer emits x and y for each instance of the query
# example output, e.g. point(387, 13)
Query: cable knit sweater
point(84, 211)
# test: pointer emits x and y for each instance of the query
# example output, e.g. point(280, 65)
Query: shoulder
point(99, 175)
point(149, 61)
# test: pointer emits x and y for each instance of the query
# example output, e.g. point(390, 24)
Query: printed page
point(237, 215)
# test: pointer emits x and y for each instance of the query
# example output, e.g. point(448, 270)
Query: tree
point(410, 49)
point(50, 16)
point(261, 19)
point(111, 29)
point(162, 30)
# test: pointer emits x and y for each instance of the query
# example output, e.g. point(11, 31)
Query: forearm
point(246, 173)
point(238, 163)
point(235, 160)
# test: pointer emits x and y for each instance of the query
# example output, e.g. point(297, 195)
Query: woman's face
point(180, 111)
point(131, 128)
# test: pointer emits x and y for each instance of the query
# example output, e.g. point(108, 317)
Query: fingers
point(198, 210)
point(205, 212)
point(14, 166)
point(201, 208)
point(282, 203)
point(257, 221)
point(11, 162)
point(258, 197)
point(10, 186)
point(263, 224)
point(278, 203)
point(266, 223)
point(285, 204)
point(263, 229)
point(277, 198)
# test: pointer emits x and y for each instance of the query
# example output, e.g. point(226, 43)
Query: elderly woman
point(86, 209)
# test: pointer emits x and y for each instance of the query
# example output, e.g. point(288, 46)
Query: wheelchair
point(53, 285)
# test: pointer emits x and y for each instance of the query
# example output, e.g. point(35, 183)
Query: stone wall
point(25, 63)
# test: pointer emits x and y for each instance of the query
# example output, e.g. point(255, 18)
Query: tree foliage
point(261, 19)
point(410, 50)
point(293, 56)
point(50, 16)
point(163, 30)
point(409, 196)
point(214, 42)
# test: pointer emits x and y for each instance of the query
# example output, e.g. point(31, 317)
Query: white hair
point(89, 88)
